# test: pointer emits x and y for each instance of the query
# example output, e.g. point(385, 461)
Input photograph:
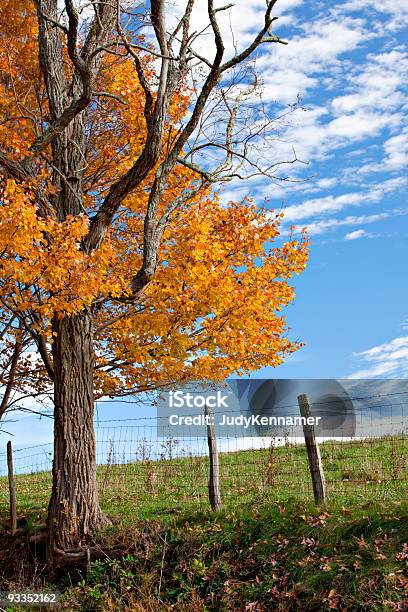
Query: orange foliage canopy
point(215, 304)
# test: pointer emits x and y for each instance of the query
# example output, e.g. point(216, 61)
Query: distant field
point(360, 470)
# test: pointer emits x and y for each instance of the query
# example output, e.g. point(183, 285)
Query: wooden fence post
point(214, 479)
point(313, 452)
point(13, 505)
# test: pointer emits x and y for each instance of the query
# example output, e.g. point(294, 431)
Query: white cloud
point(395, 156)
point(396, 9)
point(331, 203)
point(288, 71)
point(285, 85)
point(378, 86)
point(320, 227)
point(373, 96)
point(356, 234)
point(390, 359)
point(326, 183)
point(316, 135)
point(396, 151)
point(318, 206)
point(319, 46)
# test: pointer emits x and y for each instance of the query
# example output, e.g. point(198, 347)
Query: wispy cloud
point(295, 69)
point(395, 155)
point(389, 359)
point(360, 233)
point(377, 85)
point(329, 224)
point(397, 10)
point(330, 204)
point(333, 223)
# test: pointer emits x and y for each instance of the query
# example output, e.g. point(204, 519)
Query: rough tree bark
point(74, 512)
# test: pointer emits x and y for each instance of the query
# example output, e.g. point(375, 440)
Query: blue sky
point(349, 63)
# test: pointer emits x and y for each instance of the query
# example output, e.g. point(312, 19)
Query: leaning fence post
point(13, 505)
point(313, 452)
point(214, 479)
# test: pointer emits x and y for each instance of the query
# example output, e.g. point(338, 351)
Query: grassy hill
point(360, 470)
point(269, 549)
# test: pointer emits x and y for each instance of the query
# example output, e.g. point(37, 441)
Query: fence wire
point(142, 474)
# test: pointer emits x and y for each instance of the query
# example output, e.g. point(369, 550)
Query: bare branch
point(12, 372)
point(107, 94)
point(52, 63)
point(45, 356)
point(139, 68)
point(58, 24)
point(258, 40)
point(13, 167)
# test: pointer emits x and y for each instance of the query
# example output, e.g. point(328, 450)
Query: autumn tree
point(121, 268)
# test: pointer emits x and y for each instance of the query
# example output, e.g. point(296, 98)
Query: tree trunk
point(74, 512)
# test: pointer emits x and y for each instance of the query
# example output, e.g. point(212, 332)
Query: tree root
point(82, 555)
point(86, 554)
point(77, 560)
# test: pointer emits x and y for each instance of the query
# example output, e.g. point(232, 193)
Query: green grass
point(266, 555)
point(269, 549)
point(360, 470)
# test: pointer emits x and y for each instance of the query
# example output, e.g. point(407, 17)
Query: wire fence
point(144, 474)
